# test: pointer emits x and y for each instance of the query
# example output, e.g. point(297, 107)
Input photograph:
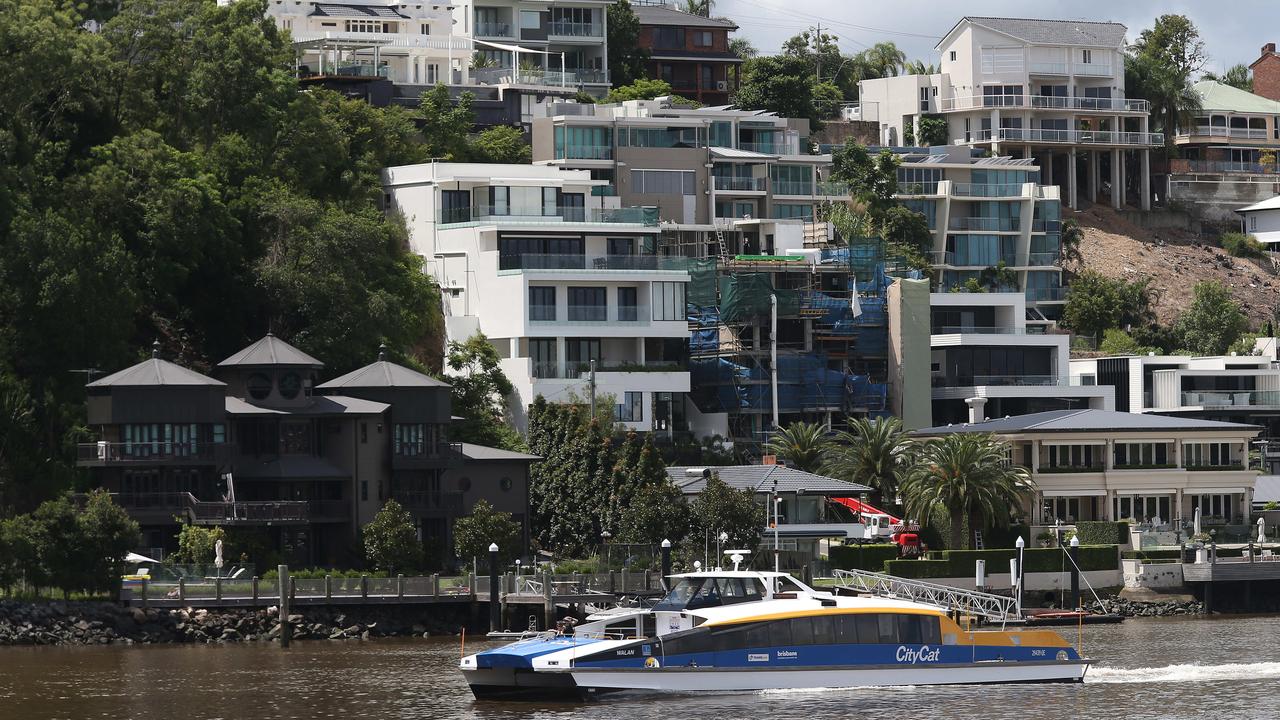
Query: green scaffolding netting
point(746, 296)
point(701, 290)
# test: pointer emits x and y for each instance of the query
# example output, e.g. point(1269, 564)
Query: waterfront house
point(690, 52)
point(1093, 464)
point(1262, 221)
point(566, 283)
point(1049, 89)
point(265, 446)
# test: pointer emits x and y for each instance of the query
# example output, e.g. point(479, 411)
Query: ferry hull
point(729, 679)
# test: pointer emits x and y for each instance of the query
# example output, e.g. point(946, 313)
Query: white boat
point(745, 630)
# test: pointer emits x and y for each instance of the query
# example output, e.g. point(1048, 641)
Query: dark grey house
point(266, 446)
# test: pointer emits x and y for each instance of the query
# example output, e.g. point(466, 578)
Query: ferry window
point(732, 590)
point(910, 631)
point(888, 629)
point(846, 627)
point(680, 595)
point(755, 589)
point(930, 630)
point(786, 584)
point(868, 629)
point(780, 633)
point(823, 629)
point(758, 635)
point(708, 596)
point(801, 631)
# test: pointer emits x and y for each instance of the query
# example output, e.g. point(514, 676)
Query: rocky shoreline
point(1162, 608)
point(102, 623)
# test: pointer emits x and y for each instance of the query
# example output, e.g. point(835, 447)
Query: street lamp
point(723, 537)
point(605, 536)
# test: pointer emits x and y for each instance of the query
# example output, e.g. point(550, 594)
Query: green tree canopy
point(1097, 303)
point(627, 59)
point(641, 89)
point(502, 144)
point(480, 392)
point(391, 540)
point(657, 512)
point(802, 445)
point(720, 508)
point(871, 452)
point(473, 534)
point(964, 476)
point(1159, 68)
point(197, 543)
point(108, 534)
point(782, 84)
point(1212, 322)
point(1237, 76)
point(60, 544)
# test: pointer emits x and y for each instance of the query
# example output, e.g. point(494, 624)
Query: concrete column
point(995, 131)
point(1071, 180)
point(560, 356)
point(1115, 179)
point(1048, 168)
point(1124, 178)
point(1093, 176)
point(1146, 180)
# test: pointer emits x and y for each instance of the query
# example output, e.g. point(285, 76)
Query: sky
point(1233, 31)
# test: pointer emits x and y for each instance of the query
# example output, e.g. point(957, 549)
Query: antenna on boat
point(736, 556)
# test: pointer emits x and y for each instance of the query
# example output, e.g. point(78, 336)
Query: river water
point(1223, 667)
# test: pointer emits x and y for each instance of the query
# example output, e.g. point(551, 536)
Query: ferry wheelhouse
point(745, 630)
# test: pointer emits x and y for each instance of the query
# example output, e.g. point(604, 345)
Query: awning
point(1079, 492)
point(860, 507)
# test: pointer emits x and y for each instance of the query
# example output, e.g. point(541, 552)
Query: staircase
point(993, 607)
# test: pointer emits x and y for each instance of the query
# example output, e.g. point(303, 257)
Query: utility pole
point(591, 379)
point(773, 356)
point(817, 51)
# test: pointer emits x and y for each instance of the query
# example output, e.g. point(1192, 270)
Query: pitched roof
point(1268, 204)
point(153, 372)
point(320, 405)
point(1083, 421)
point(356, 11)
point(383, 373)
point(484, 452)
point(1054, 32)
point(270, 350)
point(760, 479)
point(1220, 96)
point(667, 15)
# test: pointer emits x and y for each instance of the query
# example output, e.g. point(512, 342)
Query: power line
point(790, 12)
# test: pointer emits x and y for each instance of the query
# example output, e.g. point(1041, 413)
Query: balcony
point(103, 454)
point(586, 152)
point(632, 315)
point(1074, 137)
point(1039, 226)
point(1178, 165)
point(608, 263)
point(1022, 380)
point(489, 215)
point(1091, 69)
point(427, 502)
point(986, 224)
point(539, 77)
point(1047, 68)
point(410, 455)
point(1044, 102)
point(163, 507)
point(565, 28)
point(1047, 294)
point(574, 370)
point(1042, 259)
point(976, 330)
point(767, 148)
point(1065, 469)
point(743, 184)
point(833, 189)
point(792, 187)
point(919, 188)
point(1218, 131)
point(986, 191)
point(1231, 398)
point(494, 30)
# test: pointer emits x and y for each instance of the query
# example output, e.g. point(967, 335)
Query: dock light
point(1075, 541)
point(493, 547)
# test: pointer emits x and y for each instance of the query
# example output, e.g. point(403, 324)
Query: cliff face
point(1175, 260)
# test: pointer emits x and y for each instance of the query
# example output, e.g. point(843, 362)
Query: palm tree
point(886, 59)
point(919, 67)
point(871, 452)
point(1237, 76)
point(698, 7)
point(1069, 239)
point(803, 445)
point(964, 475)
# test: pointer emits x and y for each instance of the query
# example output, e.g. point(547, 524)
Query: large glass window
point(588, 304)
point(542, 352)
point(542, 303)
point(792, 179)
point(627, 310)
point(782, 211)
point(518, 201)
point(583, 143)
point(674, 137)
point(721, 134)
point(668, 301)
point(579, 352)
point(663, 182)
point(668, 38)
point(631, 409)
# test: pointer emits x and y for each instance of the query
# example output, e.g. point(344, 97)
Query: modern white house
point(1049, 89)
point(987, 361)
point(1262, 221)
point(1235, 388)
point(532, 41)
point(559, 279)
point(1105, 465)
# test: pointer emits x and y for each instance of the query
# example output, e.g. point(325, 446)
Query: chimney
point(1266, 73)
point(977, 409)
point(1268, 49)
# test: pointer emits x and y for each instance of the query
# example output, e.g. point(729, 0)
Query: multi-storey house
point(690, 52)
point(1052, 90)
point(567, 284)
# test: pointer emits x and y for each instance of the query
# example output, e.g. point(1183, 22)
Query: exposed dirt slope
point(1175, 260)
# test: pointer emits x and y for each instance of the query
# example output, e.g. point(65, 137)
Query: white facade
point(1224, 384)
point(1262, 221)
point(555, 277)
point(1047, 88)
point(574, 32)
point(984, 356)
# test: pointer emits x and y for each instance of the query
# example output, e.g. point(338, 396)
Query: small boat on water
point(745, 630)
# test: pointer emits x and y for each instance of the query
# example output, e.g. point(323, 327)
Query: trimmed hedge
point(1174, 554)
point(1100, 532)
point(868, 557)
point(961, 563)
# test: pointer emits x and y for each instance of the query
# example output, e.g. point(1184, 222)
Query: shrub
point(1242, 246)
point(962, 563)
point(866, 557)
point(1100, 532)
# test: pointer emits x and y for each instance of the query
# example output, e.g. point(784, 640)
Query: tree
point(1118, 342)
point(964, 476)
point(638, 465)
point(698, 7)
point(657, 512)
point(1212, 322)
point(391, 540)
point(1237, 76)
point(998, 278)
point(570, 490)
point(803, 445)
point(108, 534)
point(1159, 68)
point(871, 452)
point(60, 545)
point(781, 84)
point(908, 228)
point(720, 508)
point(641, 89)
point(742, 48)
point(502, 144)
point(827, 99)
point(933, 131)
point(885, 59)
point(627, 60)
point(919, 67)
point(872, 180)
point(1096, 303)
point(197, 544)
point(21, 538)
point(480, 392)
point(1069, 239)
point(473, 534)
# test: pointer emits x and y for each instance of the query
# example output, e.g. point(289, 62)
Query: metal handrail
point(994, 607)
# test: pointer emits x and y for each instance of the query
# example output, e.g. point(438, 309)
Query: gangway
point(993, 607)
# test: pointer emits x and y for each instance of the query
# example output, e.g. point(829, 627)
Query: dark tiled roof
point(760, 478)
point(320, 405)
point(484, 452)
point(1056, 32)
point(1084, 421)
point(154, 372)
point(271, 350)
point(357, 11)
point(383, 373)
point(666, 15)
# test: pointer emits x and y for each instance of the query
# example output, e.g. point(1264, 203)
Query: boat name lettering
point(923, 654)
point(788, 654)
point(757, 657)
point(626, 652)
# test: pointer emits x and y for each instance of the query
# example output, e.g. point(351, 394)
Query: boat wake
point(1185, 673)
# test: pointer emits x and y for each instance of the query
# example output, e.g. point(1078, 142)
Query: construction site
point(822, 299)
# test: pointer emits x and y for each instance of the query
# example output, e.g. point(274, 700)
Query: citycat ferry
point(745, 630)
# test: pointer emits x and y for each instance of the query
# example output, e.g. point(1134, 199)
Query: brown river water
point(1225, 667)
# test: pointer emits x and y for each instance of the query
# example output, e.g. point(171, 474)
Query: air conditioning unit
point(722, 85)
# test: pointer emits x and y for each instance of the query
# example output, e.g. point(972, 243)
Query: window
point(364, 432)
point(663, 182)
point(668, 301)
point(782, 211)
point(295, 438)
point(627, 310)
point(410, 440)
point(587, 304)
point(674, 137)
point(546, 253)
point(631, 409)
point(364, 491)
point(1086, 56)
point(668, 37)
point(426, 28)
point(530, 20)
point(702, 38)
point(953, 56)
point(583, 143)
point(542, 352)
point(1253, 223)
point(542, 304)
point(924, 99)
point(707, 80)
point(622, 246)
point(367, 26)
point(1207, 455)
point(579, 352)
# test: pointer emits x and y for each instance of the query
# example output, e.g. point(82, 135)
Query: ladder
point(977, 540)
point(994, 607)
point(724, 250)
